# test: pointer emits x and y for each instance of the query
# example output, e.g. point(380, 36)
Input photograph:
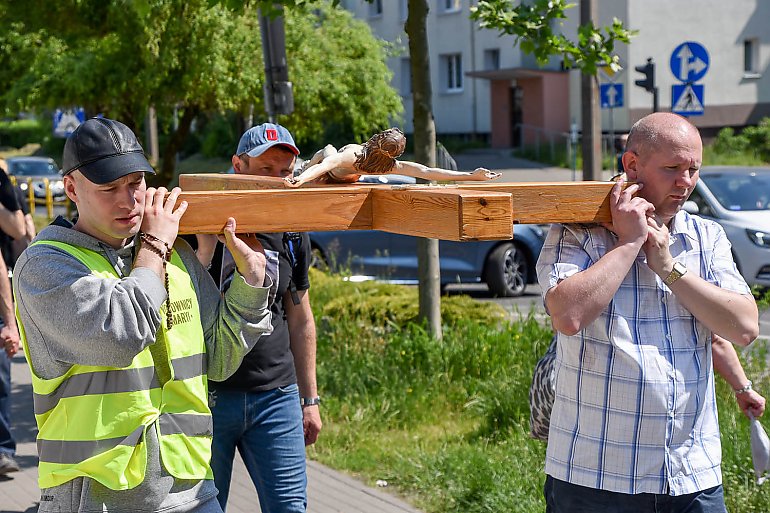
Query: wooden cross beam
point(485, 211)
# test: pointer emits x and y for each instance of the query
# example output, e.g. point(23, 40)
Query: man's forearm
point(6, 296)
point(578, 300)
point(12, 222)
point(727, 364)
point(304, 350)
point(728, 314)
point(302, 339)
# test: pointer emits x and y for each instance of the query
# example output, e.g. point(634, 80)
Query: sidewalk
point(328, 491)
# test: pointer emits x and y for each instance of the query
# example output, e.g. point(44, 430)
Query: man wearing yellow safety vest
point(122, 327)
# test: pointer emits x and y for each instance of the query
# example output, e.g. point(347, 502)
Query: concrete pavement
point(329, 491)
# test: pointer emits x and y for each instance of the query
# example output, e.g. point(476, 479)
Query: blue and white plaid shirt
point(635, 410)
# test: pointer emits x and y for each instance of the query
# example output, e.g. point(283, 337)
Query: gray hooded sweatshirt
point(71, 317)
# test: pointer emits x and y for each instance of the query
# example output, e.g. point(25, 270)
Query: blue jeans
point(7, 443)
point(266, 427)
point(563, 497)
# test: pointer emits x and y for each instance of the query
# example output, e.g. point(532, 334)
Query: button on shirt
point(635, 410)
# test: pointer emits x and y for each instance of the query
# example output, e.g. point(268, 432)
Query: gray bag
point(542, 393)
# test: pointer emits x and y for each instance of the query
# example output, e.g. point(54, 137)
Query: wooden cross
point(465, 212)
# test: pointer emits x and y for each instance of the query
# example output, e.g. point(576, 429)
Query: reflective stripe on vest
point(116, 381)
point(92, 420)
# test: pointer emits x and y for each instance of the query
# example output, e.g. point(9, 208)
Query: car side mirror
point(691, 207)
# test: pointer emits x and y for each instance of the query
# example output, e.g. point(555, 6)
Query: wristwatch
point(309, 401)
point(677, 272)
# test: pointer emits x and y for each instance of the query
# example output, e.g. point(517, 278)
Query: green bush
point(759, 138)
point(728, 143)
point(751, 147)
point(17, 133)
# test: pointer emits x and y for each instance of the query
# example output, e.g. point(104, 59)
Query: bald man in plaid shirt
point(635, 303)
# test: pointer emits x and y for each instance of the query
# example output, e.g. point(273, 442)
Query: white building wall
point(732, 97)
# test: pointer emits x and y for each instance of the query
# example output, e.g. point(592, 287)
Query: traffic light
point(279, 95)
point(648, 70)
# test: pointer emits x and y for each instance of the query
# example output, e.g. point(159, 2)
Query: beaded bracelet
point(165, 256)
point(744, 388)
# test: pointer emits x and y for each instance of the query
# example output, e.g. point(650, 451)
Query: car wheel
point(317, 259)
point(506, 271)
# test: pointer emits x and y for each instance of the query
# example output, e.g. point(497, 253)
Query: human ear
point(630, 163)
point(70, 188)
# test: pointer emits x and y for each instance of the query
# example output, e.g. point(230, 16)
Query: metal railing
point(544, 142)
point(547, 145)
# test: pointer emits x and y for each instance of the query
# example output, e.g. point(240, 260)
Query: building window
point(375, 9)
point(406, 77)
point(452, 70)
point(449, 5)
point(751, 57)
point(492, 58)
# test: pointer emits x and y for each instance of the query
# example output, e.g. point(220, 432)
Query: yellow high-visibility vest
point(92, 420)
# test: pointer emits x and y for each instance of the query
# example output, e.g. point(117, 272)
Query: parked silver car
point(37, 168)
point(738, 198)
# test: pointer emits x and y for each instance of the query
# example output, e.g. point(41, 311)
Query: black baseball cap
point(104, 150)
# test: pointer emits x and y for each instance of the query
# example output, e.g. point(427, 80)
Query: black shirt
point(271, 364)
point(12, 198)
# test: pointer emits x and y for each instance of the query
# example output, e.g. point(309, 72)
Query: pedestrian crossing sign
point(65, 121)
point(687, 99)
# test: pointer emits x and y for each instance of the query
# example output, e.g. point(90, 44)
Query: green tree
point(190, 56)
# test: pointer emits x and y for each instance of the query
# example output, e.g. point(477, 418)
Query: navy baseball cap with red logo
point(257, 140)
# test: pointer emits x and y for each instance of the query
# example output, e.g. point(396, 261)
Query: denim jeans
point(563, 497)
point(266, 427)
point(7, 443)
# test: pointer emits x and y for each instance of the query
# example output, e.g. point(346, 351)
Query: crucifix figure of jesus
point(375, 157)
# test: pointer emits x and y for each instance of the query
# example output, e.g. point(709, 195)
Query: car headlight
point(759, 237)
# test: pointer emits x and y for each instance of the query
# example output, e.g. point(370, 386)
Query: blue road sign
point(611, 95)
point(65, 121)
point(687, 99)
point(689, 61)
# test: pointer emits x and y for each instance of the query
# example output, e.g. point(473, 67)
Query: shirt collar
point(683, 230)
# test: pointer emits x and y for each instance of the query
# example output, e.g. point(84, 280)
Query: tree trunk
point(424, 152)
point(174, 144)
point(589, 91)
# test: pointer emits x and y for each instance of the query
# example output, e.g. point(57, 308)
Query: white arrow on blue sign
point(689, 61)
point(611, 95)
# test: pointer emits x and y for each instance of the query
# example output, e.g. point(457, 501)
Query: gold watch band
point(677, 272)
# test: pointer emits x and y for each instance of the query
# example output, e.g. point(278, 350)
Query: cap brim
point(262, 148)
point(111, 168)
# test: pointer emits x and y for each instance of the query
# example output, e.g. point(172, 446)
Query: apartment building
point(711, 63)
